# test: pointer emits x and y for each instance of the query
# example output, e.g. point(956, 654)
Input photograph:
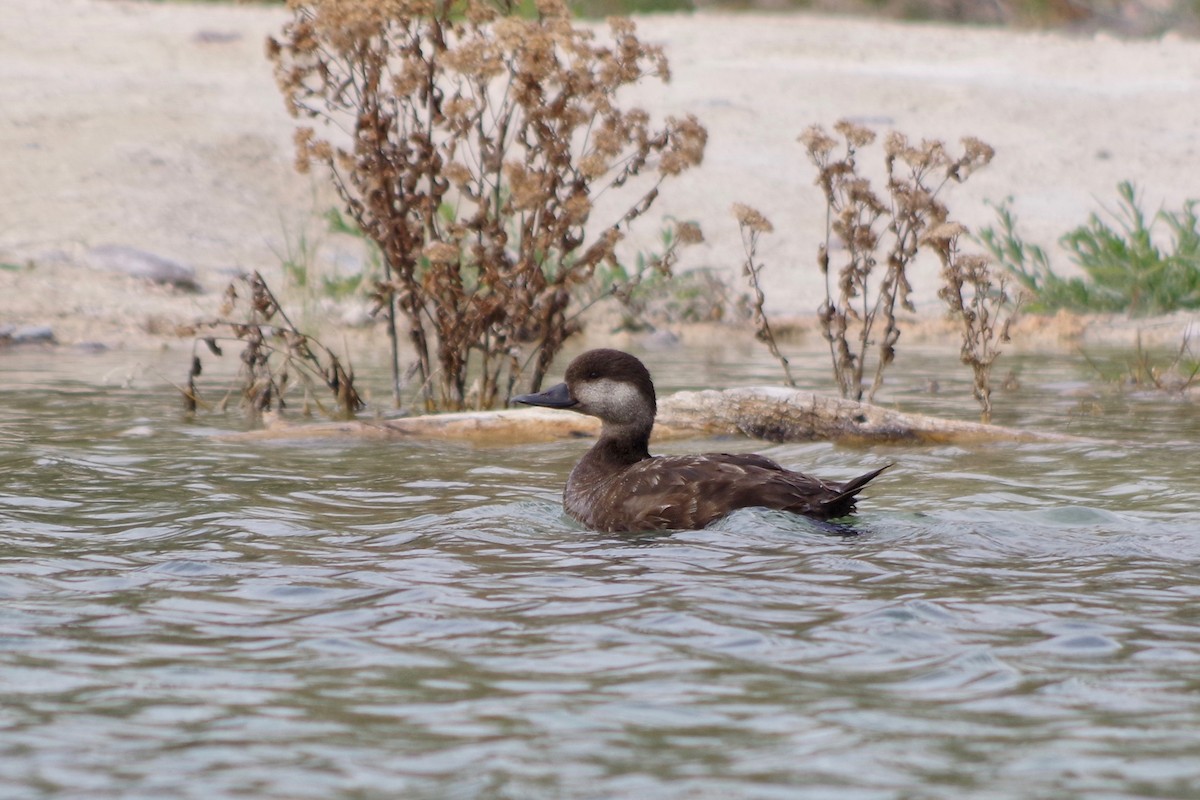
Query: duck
point(619, 487)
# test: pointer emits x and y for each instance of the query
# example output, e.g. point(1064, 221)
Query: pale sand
point(159, 126)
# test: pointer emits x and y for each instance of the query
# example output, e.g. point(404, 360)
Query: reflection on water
point(182, 616)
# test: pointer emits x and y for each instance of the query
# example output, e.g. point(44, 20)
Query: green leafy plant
point(297, 256)
point(650, 292)
point(1126, 266)
point(339, 286)
point(300, 257)
point(511, 123)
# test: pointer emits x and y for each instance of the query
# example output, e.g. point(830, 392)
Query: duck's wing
point(689, 492)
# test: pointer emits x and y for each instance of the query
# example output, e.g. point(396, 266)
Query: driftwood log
point(773, 414)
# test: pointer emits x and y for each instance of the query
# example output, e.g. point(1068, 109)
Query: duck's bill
point(554, 397)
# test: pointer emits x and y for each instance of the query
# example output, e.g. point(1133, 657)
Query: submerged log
point(773, 414)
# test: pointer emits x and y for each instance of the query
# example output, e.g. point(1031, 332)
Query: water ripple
point(183, 617)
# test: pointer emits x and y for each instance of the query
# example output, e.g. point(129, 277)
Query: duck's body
point(619, 486)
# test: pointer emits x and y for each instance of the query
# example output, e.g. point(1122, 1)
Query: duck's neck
point(623, 444)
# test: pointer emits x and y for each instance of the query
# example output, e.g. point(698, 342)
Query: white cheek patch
point(616, 401)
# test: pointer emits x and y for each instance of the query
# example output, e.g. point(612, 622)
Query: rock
point(207, 36)
point(357, 316)
point(29, 334)
point(140, 264)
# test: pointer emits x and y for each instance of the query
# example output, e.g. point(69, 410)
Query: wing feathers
point(689, 492)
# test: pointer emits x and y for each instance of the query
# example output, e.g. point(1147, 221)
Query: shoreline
point(158, 128)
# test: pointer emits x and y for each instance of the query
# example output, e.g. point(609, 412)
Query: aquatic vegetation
point(876, 238)
point(275, 355)
point(979, 300)
point(1146, 369)
point(469, 144)
point(1127, 267)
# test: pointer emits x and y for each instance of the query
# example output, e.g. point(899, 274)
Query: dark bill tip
point(555, 397)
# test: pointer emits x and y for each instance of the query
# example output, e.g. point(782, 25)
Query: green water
point(183, 616)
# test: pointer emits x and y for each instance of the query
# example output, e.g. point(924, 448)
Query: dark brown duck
point(619, 486)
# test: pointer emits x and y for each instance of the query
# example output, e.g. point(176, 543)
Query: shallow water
point(183, 616)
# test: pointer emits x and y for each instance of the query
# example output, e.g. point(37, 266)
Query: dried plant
point(651, 277)
point(871, 233)
point(752, 224)
point(275, 355)
point(470, 145)
point(978, 298)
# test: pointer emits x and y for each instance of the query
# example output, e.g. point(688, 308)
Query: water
point(183, 616)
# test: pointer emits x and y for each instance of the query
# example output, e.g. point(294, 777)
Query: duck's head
point(608, 384)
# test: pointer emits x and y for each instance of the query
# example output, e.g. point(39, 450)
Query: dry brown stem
point(752, 224)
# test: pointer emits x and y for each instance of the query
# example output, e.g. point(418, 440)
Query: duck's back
point(691, 491)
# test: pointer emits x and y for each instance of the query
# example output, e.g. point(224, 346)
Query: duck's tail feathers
point(842, 503)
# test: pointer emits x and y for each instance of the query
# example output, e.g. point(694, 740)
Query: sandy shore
point(159, 127)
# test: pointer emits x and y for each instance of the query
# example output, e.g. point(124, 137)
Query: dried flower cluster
point(275, 355)
point(871, 233)
point(981, 303)
point(752, 225)
point(473, 145)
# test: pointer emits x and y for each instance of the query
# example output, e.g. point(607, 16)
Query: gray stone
point(140, 264)
point(28, 334)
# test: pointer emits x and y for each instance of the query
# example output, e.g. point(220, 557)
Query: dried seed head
point(472, 57)
point(688, 139)
point(577, 208)
point(611, 137)
point(945, 232)
point(303, 139)
point(322, 150)
point(509, 32)
point(593, 166)
point(817, 141)
point(855, 135)
point(977, 268)
point(689, 233)
point(480, 14)
point(752, 218)
point(457, 174)
point(895, 144)
point(553, 9)
point(527, 186)
point(977, 151)
point(439, 252)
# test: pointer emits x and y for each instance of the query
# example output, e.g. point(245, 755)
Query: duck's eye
point(593, 375)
